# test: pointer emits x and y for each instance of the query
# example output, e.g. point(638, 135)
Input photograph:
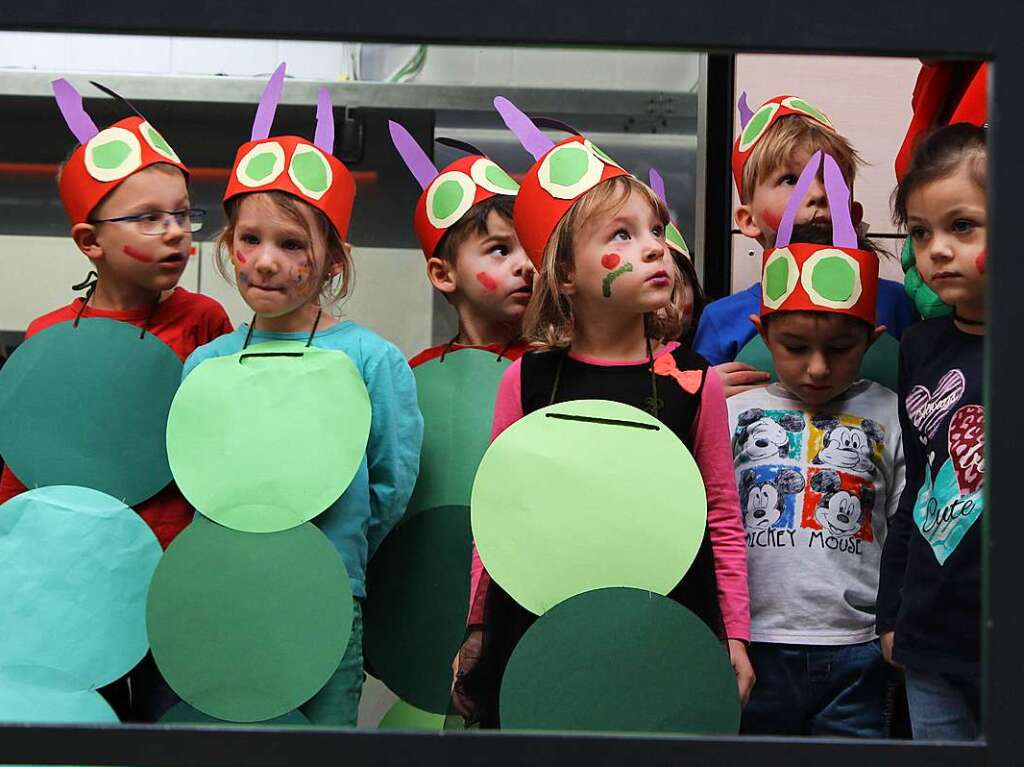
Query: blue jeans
point(817, 690)
point(942, 706)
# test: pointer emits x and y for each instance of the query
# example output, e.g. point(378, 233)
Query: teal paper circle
point(88, 406)
point(620, 660)
point(76, 568)
point(417, 597)
point(583, 495)
point(31, 704)
point(267, 439)
point(249, 626)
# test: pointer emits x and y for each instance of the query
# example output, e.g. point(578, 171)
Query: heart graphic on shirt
point(927, 409)
point(944, 513)
point(967, 447)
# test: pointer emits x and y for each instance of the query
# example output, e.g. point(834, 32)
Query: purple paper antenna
point(69, 101)
point(323, 138)
point(785, 233)
point(529, 135)
point(745, 111)
point(658, 185)
point(416, 160)
point(264, 119)
point(843, 233)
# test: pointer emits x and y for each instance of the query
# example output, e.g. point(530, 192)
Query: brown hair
point(332, 290)
point(939, 155)
point(473, 222)
point(549, 317)
point(788, 135)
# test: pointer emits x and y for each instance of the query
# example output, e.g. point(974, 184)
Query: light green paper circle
point(561, 506)
point(404, 716)
point(834, 279)
point(262, 443)
point(456, 397)
point(776, 279)
point(311, 170)
point(87, 406)
point(247, 627)
point(620, 660)
point(569, 164)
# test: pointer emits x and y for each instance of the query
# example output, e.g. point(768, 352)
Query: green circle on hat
point(456, 397)
point(414, 618)
point(447, 198)
point(88, 406)
point(183, 713)
point(268, 438)
point(71, 619)
point(620, 660)
point(880, 363)
point(311, 169)
point(249, 626)
point(20, 702)
point(569, 164)
point(500, 178)
point(584, 495)
point(834, 278)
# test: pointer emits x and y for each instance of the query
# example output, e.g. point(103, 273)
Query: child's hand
point(465, 659)
point(740, 377)
point(745, 678)
point(886, 641)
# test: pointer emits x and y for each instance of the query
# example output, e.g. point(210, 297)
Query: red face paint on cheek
point(138, 255)
point(486, 280)
point(773, 219)
point(240, 258)
point(610, 260)
point(980, 261)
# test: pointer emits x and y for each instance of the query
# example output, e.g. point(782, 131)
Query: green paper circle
point(414, 618)
point(261, 165)
point(263, 443)
point(880, 363)
point(833, 278)
point(71, 619)
point(757, 125)
point(403, 716)
point(562, 506)
point(620, 660)
point(111, 154)
point(776, 278)
point(500, 179)
point(88, 406)
point(26, 703)
point(183, 713)
point(447, 198)
point(311, 169)
point(674, 237)
point(456, 397)
point(248, 626)
point(569, 165)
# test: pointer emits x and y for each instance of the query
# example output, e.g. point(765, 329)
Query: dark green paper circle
point(414, 617)
point(87, 406)
point(620, 660)
point(183, 713)
point(880, 363)
point(262, 441)
point(248, 626)
point(456, 397)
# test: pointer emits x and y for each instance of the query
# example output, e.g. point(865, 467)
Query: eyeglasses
point(156, 222)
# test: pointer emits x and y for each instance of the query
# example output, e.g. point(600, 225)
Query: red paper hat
point(838, 278)
point(303, 169)
point(673, 237)
point(104, 158)
point(448, 195)
point(561, 175)
point(753, 125)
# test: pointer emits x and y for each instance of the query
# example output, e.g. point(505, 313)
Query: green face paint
point(606, 284)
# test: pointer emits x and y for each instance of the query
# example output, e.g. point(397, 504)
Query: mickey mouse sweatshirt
point(930, 590)
point(817, 486)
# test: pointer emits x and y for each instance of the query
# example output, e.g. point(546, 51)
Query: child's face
point(149, 263)
point(492, 274)
point(817, 355)
point(622, 263)
point(760, 218)
point(278, 267)
point(946, 221)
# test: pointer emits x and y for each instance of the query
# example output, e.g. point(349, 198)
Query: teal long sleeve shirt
point(375, 501)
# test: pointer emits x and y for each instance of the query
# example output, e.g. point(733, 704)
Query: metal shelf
point(472, 98)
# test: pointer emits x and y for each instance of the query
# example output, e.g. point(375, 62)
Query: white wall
point(867, 99)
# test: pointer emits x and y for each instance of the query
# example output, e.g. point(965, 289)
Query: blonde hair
point(332, 290)
point(549, 319)
point(788, 135)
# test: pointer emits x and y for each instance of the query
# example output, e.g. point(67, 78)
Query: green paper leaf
point(88, 406)
point(249, 626)
point(620, 660)
point(263, 443)
point(583, 495)
point(456, 397)
point(414, 618)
